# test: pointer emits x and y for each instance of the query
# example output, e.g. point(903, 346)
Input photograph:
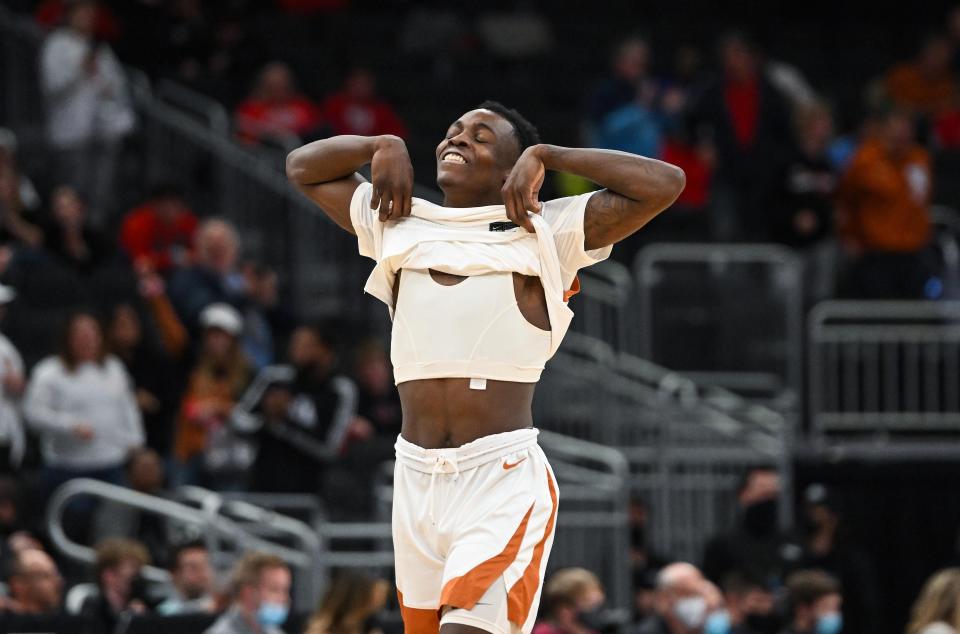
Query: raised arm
point(326, 172)
point(636, 188)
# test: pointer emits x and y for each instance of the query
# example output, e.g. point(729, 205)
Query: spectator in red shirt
point(157, 235)
point(356, 109)
point(275, 111)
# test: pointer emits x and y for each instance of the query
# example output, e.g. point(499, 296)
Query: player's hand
point(392, 176)
point(522, 190)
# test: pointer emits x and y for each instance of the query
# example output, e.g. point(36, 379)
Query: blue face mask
point(829, 623)
point(717, 623)
point(272, 614)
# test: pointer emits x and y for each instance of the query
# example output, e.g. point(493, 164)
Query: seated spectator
point(757, 544)
point(151, 368)
point(884, 219)
point(144, 474)
point(219, 376)
point(13, 537)
point(213, 278)
point(193, 581)
point(260, 597)
point(926, 85)
point(681, 604)
point(937, 609)
point(276, 111)
point(68, 236)
point(12, 384)
point(117, 575)
point(750, 607)
point(572, 601)
point(87, 105)
point(35, 585)
point(828, 546)
point(18, 221)
point(81, 403)
point(378, 404)
point(262, 315)
point(159, 234)
point(356, 109)
point(350, 606)
point(29, 198)
point(629, 80)
point(815, 601)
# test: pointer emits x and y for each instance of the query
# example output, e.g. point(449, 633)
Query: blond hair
point(115, 551)
point(566, 586)
point(939, 602)
point(248, 570)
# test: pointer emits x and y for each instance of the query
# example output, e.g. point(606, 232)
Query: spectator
point(262, 315)
point(12, 384)
point(756, 545)
point(81, 403)
point(350, 606)
point(746, 120)
point(144, 474)
point(750, 608)
point(68, 236)
point(159, 234)
point(18, 201)
point(193, 581)
point(87, 106)
point(572, 600)
point(50, 14)
point(826, 547)
point(29, 198)
point(356, 109)
point(213, 278)
point(925, 86)
point(378, 403)
point(815, 601)
point(219, 375)
point(644, 562)
point(260, 589)
point(276, 112)
point(629, 81)
point(681, 604)
point(35, 585)
point(937, 609)
point(117, 573)
point(884, 221)
point(150, 367)
point(13, 537)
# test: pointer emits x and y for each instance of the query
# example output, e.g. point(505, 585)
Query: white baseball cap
point(7, 294)
point(222, 316)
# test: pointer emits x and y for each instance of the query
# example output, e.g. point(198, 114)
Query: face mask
point(763, 623)
point(272, 614)
point(690, 611)
point(761, 518)
point(829, 623)
point(592, 620)
point(717, 623)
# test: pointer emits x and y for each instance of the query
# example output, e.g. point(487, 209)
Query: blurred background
point(197, 409)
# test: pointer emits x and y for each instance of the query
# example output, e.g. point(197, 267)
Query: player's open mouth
point(453, 157)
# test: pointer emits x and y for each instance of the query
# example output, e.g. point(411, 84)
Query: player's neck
point(471, 199)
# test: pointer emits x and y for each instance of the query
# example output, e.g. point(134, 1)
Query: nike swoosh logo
point(507, 466)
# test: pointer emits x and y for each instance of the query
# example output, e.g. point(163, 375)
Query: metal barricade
point(687, 445)
point(602, 308)
point(885, 374)
point(222, 534)
point(725, 314)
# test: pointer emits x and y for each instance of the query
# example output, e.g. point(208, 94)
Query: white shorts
point(472, 531)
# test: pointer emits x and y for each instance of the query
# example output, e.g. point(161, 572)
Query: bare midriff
point(442, 413)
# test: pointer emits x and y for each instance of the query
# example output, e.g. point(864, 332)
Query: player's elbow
point(295, 166)
point(672, 181)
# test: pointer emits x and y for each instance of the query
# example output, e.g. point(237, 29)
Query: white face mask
point(691, 611)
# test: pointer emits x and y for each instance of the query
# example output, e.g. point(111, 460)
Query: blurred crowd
point(141, 347)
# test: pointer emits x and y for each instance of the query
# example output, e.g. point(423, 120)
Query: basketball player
point(476, 290)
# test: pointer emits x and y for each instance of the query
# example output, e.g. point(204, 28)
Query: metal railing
point(603, 308)
point(226, 538)
point(725, 314)
point(885, 375)
point(687, 445)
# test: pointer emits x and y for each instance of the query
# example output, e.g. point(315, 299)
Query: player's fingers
point(407, 203)
point(524, 218)
point(397, 200)
point(375, 203)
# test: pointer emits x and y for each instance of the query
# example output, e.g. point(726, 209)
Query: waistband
point(468, 456)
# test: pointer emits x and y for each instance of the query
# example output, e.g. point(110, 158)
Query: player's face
point(477, 153)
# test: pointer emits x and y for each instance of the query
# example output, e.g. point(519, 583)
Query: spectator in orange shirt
point(926, 85)
point(158, 235)
point(275, 111)
point(884, 221)
point(356, 109)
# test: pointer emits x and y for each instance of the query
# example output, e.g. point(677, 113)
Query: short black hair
point(182, 547)
point(524, 131)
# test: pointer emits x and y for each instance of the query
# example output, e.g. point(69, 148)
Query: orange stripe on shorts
point(520, 597)
point(418, 620)
point(466, 590)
